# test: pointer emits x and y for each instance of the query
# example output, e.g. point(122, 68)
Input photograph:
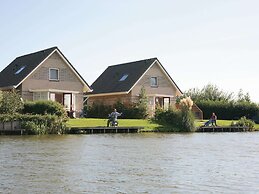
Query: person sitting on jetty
point(206, 124)
point(112, 118)
point(212, 120)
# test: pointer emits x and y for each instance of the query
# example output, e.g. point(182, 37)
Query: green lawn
point(147, 124)
point(221, 123)
point(90, 122)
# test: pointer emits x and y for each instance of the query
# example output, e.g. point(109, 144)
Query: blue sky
point(198, 42)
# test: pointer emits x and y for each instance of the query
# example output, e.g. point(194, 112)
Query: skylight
point(19, 70)
point(123, 77)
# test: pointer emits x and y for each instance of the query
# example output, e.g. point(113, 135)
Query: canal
point(130, 163)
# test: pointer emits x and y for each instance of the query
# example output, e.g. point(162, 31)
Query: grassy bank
point(90, 122)
point(147, 124)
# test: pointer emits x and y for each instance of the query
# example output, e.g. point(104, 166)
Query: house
point(123, 83)
point(46, 75)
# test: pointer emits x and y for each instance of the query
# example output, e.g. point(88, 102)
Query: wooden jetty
point(91, 130)
point(223, 129)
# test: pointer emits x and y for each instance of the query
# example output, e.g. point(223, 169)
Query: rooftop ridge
point(154, 58)
point(43, 50)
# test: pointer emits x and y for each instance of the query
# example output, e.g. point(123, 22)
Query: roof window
point(123, 77)
point(19, 70)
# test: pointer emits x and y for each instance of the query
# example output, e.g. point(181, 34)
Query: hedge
point(44, 107)
point(98, 110)
point(38, 124)
point(228, 110)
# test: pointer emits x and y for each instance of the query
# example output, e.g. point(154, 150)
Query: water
point(130, 163)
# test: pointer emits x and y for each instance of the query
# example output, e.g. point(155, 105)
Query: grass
point(221, 123)
point(91, 122)
point(147, 124)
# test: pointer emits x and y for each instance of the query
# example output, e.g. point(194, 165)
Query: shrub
point(44, 107)
point(98, 110)
point(244, 122)
point(10, 102)
point(228, 110)
point(133, 111)
point(142, 105)
point(38, 124)
point(256, 118)
point(33, 128)
point(187, 124)
point(178, 120)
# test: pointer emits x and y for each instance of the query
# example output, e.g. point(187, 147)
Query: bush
point(33, 128)
point(256, 118)
point(44, 107)
point(99, 110)
point(178, 120)
point(228, 110)
point(38, 124)
point(187, 124)
point(10, 102)
point(244, 122)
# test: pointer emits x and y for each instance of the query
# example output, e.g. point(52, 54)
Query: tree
point(241, 97)
point(142, 103)
point(10, 102)
point(209, 92)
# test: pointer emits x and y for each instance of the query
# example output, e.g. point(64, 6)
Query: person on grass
point(113, 117)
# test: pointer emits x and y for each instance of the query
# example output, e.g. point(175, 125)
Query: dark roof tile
point(22, 66)
point(109, 80)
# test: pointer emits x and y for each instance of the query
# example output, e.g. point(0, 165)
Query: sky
point(198, 42)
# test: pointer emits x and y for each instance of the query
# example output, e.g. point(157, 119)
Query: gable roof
point(123, 77)
point(21, 67)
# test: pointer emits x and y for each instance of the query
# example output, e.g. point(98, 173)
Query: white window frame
point(52, 96)
point(40, 96)
point(50, 74)
point(20, 70)
point(124, 77)
point(151, 82)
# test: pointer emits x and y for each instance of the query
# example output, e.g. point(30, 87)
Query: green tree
point(10, 102)
point(209, 92)
point(241, 97)
point(142, 103)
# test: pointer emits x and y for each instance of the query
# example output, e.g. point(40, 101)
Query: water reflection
point(130, 163)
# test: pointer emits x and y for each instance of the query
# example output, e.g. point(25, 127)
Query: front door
point(162, 102)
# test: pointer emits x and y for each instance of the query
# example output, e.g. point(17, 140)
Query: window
point(54, 74)
point(20, 70)
point(52, 96)
point(123, 77)
point(166, 103)
point(40, 96)
point(153, 82)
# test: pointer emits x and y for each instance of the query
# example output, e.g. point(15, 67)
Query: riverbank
point(148, 125)
point(93, 122)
